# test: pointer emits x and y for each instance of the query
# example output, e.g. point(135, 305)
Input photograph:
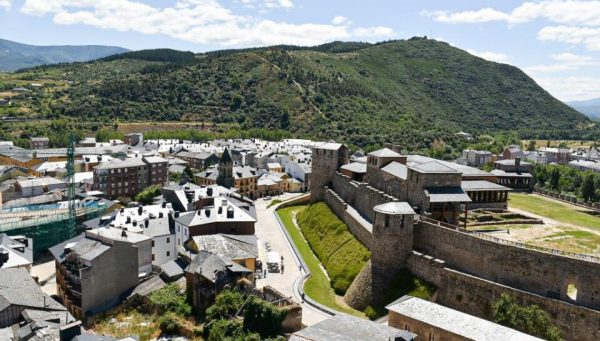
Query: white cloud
point(278, 3)
point(338, 20)
point(566, 62)
point(571, 88)
point(563, 12)
point(493, 56)
point(378, 31)
point(590, 36)
point(5, 4)
point(471, 17)
point(578, 22)
point(197, 21)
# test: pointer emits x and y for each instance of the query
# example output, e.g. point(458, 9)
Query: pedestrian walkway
point(268, 230)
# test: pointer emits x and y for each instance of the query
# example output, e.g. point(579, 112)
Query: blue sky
point(556, 42)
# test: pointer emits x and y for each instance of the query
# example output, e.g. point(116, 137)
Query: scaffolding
point(47, 228)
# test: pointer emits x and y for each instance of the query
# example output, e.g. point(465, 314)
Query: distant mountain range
point(591, 108)
point(411, 92)
point(15, 56)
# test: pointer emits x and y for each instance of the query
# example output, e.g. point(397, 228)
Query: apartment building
point(130, 176)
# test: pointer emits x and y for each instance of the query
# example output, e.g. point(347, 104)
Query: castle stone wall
point(357, 225)
point(426, 268)
point(360, 195)
point(537, 272)
point(473, 295)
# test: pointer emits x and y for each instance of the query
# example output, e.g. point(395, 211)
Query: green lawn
point(317, 286)
point(554, 210)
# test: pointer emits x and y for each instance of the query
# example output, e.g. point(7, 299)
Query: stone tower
point(392, 245)
point(225, 177)
point(326, 160)
point(392, 235)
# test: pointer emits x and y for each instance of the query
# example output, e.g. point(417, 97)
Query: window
point(153, 243)
point(168, 253)
point(153, 257)
point(168, 240)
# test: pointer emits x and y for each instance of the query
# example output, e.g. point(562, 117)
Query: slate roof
point(446, 194)
point(482, 185)
point(118, 163)
point(454, 321)
point(208, 265)
point(18, 288)
point(384, 152)
point(330, 146)
point(211, 214)
point(433, 167)
point(501, 173)
point(16, 257)
point(343, 327)
point(229, 246)
point(394, 207)
point(355, 167)
point(396, 169)
point(173, 268)
point(148, 286)
point(86, 248)
point(225, 157)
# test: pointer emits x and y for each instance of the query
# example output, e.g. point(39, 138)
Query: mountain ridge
point(15, 55)
point(414, 92)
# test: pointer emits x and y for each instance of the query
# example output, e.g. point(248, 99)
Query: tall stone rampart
point(541, 273)
point(360, 195)
point(357, 225)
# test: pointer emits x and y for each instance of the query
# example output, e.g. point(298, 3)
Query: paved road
point(268, 229)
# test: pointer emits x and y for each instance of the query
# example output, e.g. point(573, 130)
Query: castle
point(405, 209)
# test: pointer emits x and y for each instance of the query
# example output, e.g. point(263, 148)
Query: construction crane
point(72, 224)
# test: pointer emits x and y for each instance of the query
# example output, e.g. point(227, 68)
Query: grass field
point(554, 210)
point(317, 286)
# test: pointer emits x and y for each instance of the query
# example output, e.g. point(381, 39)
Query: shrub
point(263, 317)
point(169, 324)
point(528, 319)
point(342, 255)
point(371, 313)
point(226, 305)
point(146, 196)
point(169, 299)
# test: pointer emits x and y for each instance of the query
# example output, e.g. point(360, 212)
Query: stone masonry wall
point(537, 272)
point(473, 295)
point(357, 225)
point(359, 195)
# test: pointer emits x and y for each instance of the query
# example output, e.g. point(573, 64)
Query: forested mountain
point(14, 56)
point(413, 92)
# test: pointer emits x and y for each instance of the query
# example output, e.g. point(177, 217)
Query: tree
point(529, 319)
point(588, 188)
point(146, 196)
point(531, 146)
point(554, 178)
point(285, 120)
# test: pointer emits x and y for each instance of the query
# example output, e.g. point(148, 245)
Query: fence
point(581, 256)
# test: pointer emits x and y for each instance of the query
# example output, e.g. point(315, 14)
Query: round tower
point(392, 235)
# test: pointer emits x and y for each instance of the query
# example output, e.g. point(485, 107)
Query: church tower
point(225, 177)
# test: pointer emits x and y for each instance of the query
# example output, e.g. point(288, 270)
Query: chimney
point(146, 223)
point(189, 194)
point(140, 210)
point(70, 331)
point(123, 234)
point(3, 257)
point(517, 163)
point(230, 213)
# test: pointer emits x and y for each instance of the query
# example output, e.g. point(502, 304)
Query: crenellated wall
point(360, 195)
